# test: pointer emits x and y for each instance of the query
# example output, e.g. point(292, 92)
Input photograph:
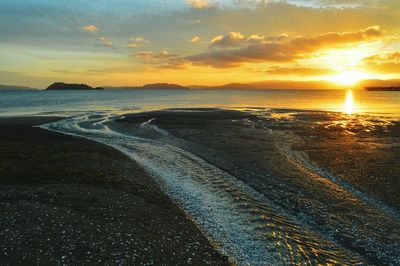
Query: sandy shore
point(332, 171)
point(65, 200)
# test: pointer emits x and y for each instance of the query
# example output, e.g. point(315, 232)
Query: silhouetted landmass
point(290, 84)
point(60, 86)
point(14, 88)
point(155, 86)
point(163, 86)
point(382, 88)
point(274, 84)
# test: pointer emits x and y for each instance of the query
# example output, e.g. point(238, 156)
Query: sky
point(197, 42)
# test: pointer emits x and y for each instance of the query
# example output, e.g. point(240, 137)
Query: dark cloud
point(297, 48)
point(163, 59)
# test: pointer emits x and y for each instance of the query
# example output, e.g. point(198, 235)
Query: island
point(154, 86)
point(163, 86)
point(61, 86)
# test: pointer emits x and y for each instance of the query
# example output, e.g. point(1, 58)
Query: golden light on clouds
point(199, 4)
point(90, 28)
point(195, 39)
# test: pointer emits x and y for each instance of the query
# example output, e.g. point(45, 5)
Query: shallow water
point(71, 102)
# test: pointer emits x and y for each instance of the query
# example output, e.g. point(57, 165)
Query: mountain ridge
point(15, 88)
point(151, 86)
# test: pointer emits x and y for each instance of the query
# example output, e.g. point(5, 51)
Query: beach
point(331, 171)
point(264, 186)
point(67, 200)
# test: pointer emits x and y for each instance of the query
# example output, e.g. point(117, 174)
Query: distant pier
point(392, 88)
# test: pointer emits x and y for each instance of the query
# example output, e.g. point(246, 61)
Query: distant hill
point(61, 86)
point(274, 84)
point(155, 86)
point(283, 84)
point(380, 83)
point(17, 88)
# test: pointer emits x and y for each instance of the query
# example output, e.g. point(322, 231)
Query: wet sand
point(66, 200)
point(364, 151)
point(336, 173)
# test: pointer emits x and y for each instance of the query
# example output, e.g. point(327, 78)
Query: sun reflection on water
point(349, 104)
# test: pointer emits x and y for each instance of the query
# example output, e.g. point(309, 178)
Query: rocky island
point(61, 86)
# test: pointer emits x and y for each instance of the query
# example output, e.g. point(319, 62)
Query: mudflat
point(67, 200)
point(332, 171)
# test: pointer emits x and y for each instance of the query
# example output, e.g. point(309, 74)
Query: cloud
point(195, 39)
point(279, 38)
point(231, 39)
point(352, 3)
point(388, 63)
point(138, 42)
point(57, 21)
point(294, 49)
point(199, 4)
point(394, 56)
point(90, 28)
point(235, 39)
point(162, 59)
point(256, 38)
point(298, 71)
point(105, 41)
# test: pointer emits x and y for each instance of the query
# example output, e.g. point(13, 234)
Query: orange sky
point(128, 42)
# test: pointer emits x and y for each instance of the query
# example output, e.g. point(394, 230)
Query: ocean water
point(64, 103)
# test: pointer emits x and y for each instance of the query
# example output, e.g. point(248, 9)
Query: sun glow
point(348, 78)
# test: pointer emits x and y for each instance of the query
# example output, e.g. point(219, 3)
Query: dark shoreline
point(68, 200)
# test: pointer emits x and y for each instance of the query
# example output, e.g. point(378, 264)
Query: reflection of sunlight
point(349, 105)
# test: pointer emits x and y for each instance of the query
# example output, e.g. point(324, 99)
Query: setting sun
point(348, 78)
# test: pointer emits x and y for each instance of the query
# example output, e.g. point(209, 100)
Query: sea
point(66, 103)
